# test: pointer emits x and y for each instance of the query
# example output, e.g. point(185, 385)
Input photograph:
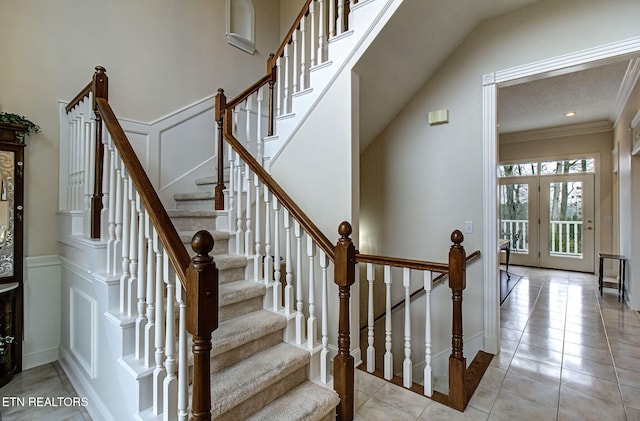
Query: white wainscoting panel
point(41, 310)
point(83, 329)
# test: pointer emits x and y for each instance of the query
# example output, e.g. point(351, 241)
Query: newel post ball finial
point(202, 243)
point(345, 229)
point(100, 69)
point(457, 237)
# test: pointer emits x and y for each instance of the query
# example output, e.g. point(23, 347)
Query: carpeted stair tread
point(192, 213)
point(238, 291)
point(229, 261)
point(307, 402)
point(237, 384)
point(241, 330)
point(199, 195)
point(187, 236)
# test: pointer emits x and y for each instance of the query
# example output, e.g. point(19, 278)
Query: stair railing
point(163, 291)
point(255, 205)
point(304, 47)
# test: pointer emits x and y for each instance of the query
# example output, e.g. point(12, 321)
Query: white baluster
point(268, 259)
point(248, 234)
point(239, 183)
point(332, 18)
point(324, 354)
point(388, 356)
point(231, 189)
point(300, 323)
point(303, 53)
point(70, 169)
point(126, 244)
point(149, 331)
point(371, 350)
point(259, 144)
point(170, 383)
point(295, 67)
point(183, 356)
point(287, 77)
point(141, 321)
point(279, 86)
point(118, 215)
point(247, 124)
point(312, 323)
point(159, 372)
point(321, 34)
point(407, 365)
point(289, 303)
point(133, 252)
point(313, 38)
point(428, 387)
point(111, 246)
point(341, 17)
point(277, 286)
point(257, 259)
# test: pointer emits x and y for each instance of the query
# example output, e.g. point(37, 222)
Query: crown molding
point(556, 132)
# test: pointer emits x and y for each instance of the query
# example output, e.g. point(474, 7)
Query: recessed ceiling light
point(570, 114)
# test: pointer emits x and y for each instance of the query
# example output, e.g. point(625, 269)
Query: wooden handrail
point(287, 38)
point(403, 263)
point(249, 91)
point(418, 291)
point(81, 95)
point(285, 200)
point(173, 245)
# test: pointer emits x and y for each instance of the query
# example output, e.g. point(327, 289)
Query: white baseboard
point(35, 359)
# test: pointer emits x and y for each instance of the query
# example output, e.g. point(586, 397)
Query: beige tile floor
point(566, 354)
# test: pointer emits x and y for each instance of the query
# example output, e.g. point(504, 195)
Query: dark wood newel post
point(100, 87)
point(273, 71)
point(343, 364)
point(457, 361)
point(221, 106)
point(202, 320)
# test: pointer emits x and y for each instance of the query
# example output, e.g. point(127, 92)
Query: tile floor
point(25, 397)
point(566, 354)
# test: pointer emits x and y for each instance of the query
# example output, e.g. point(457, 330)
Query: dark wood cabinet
point(11, 247)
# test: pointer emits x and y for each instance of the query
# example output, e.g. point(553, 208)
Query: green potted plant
point(30, 127)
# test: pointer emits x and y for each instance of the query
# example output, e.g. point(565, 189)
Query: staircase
point(254, 374)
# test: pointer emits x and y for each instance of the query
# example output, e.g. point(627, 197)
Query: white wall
point(421, 182)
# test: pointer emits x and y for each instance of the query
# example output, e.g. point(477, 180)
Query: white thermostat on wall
point(438, 117)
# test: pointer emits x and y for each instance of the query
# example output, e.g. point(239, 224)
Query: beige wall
point(160, 55)
point(421, 182)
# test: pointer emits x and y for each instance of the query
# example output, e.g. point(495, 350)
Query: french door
point(549, 220)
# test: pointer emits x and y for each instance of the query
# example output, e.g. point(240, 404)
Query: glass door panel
point(567, 219)
point(518, 218)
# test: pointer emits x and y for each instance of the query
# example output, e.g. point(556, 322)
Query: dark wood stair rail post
point(343, 364)
point(202, 320)
point(457, 361)
point(100, 87)
point(221, 106)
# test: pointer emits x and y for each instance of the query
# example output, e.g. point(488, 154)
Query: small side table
point(506, 246)
point(622, 263)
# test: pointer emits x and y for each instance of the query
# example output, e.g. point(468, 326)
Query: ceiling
point(391, 72)
point(593, 94)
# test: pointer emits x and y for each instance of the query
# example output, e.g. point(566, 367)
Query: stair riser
point(226, 359)
point(262, 398)
point(195, 204)
point(231, 275)
point(238, 309)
